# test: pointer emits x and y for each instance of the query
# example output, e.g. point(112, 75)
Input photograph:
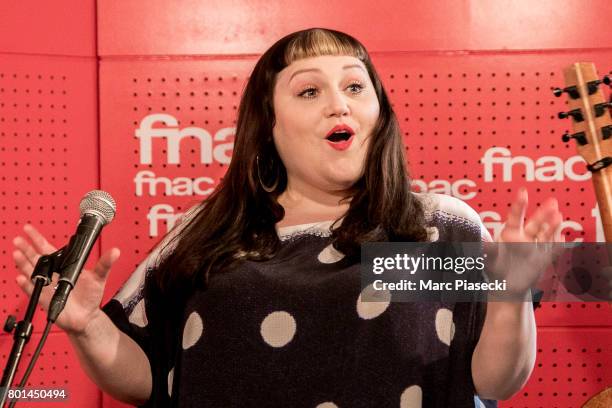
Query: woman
point(255, 299)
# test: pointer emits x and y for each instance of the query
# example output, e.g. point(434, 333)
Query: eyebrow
point(300, 71)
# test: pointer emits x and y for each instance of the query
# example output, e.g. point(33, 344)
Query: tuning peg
point(604, 80)
point(580, 138)
point(566, 137)
point(593, 85)
point(600, 164)
point(600, 108)
point(572, 91)
point(606, 132)
point(576, 114)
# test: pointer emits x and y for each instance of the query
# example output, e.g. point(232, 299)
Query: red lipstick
point(342, 145)
point(340, 137)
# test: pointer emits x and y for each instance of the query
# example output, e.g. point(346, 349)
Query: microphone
point(97, 209)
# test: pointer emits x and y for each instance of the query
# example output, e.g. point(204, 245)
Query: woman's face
point(313, 98)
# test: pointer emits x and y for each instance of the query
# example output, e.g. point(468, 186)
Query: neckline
point(321, 227)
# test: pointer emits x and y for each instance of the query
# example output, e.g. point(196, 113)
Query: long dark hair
point(238, 220)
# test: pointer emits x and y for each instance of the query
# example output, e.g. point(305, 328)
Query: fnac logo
point(221, 152)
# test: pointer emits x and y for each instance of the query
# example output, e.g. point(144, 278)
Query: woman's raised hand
point(540, 227)
point(83, 305)
point(525, 248)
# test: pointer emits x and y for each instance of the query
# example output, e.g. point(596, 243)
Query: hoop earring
point(267, 189)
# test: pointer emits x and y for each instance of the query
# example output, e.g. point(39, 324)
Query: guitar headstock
point(589, 112)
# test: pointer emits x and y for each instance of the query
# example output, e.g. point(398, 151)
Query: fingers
point(40, 242)
point(544, 222)
point(25, 284)
point(548, 228)
point(517, 210)
point(22, 263)
point(31, 252)
point(541, 226)
point(105, 263)
point(555, 228)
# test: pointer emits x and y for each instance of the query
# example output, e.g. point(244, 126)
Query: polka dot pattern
point(327, 405)
point(330, 255)
point(251, 300)
point(433, 234)
point(278, 328)
point(412, 397)
point(192, 331)
point(372, 303)
point(139, 315)
point(445, 327)
point(170, 381)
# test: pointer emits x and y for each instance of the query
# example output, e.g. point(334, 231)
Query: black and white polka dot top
point(293, 332)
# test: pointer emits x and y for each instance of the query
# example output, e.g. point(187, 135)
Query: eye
point(309, 92)
point(356, 87)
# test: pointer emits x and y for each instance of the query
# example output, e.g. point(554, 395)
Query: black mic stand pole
point(43, 271)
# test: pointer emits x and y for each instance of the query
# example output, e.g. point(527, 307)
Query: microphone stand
point(43, 272)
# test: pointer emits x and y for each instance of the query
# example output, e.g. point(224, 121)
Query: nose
point(337, 105)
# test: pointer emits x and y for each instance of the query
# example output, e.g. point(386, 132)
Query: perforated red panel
point(56, 367)
point(571, 366)
point(480, 126)
point(167, 136)
point(48, 160)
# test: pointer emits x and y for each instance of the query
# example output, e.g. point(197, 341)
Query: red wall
point(464, 77)
point(48, 156)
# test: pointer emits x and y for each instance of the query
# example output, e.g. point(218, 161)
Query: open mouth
point(340, 136)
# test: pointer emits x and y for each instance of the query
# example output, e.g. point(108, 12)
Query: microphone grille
point(100, 203)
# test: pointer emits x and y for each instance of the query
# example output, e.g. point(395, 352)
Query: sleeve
point(465, 217)
point(127, 308)
point(134, 310)
point(451, 219)
point(128, 311)
point(468, 318)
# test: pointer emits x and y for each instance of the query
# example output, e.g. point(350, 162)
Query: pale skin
point(105, 353)
point(311, 97)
